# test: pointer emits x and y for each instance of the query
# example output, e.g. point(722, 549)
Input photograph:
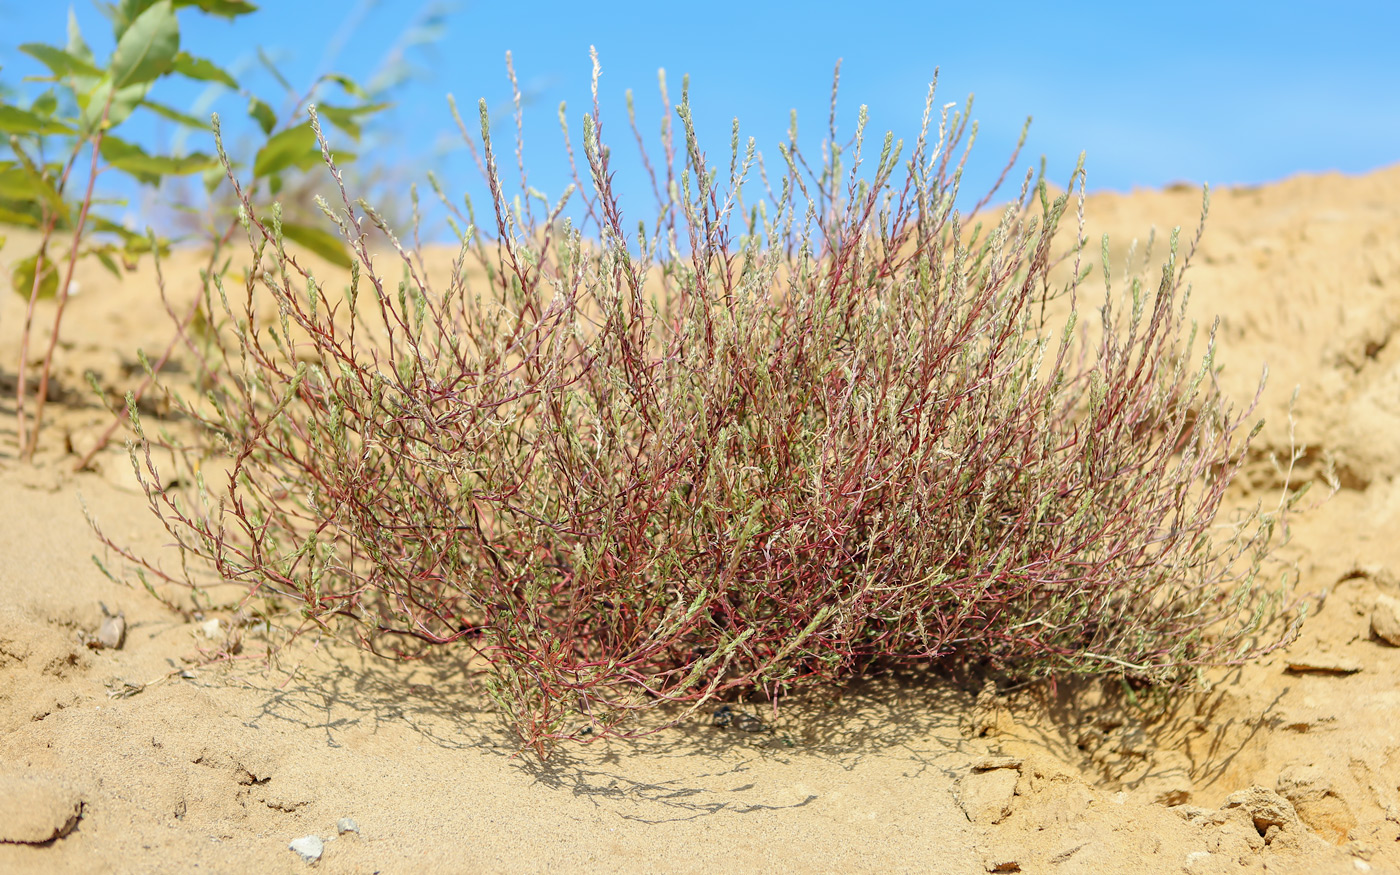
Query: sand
point(144, 759)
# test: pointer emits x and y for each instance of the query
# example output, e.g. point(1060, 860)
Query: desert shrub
point(755, 444)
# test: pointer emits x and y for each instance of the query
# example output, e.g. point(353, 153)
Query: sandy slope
point(221, 768)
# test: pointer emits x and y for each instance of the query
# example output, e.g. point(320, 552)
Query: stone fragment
point(34, 809)
point(111, 635)
point(347, 824)
point(309, 848)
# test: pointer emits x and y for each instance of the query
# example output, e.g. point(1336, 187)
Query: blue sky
point(1154, 93)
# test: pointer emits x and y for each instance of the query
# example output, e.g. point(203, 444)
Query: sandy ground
point(161, 764)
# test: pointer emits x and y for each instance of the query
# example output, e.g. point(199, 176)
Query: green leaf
point(225, 8)
point(347, 118)
point(14, 181)
point(345, 82)
point(203, 70)
point(123, 14)
point(128, 157)
point(147, 48)
point(21, 121)
point(77, 46)
point(60, 62)
point(22, 278)
point(104, 255)
point(175, 115)
point(294, 147)
point(134, 160)
point(124, 103)
point(266, 61)
point(263, 115)
point(137, 245)
point(45, 104)
point(323, 243)
point(29, 186)
point(107, 226)
point(17, 218)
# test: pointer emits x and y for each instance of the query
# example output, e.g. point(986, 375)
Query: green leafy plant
point(763, 441)
point(67, 137)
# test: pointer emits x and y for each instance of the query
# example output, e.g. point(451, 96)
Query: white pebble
point(309, 848)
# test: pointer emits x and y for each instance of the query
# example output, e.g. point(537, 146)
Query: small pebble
point(347, 824)
point(210, 628)
point(309, 848)
point(112, 634)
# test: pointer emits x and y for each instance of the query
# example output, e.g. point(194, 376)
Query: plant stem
point(27, 453)
point(21, 430)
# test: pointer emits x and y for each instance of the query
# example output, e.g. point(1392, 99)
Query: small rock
point(111, 635)
point(347, 824)
point(309, 848)
point(1385, 620)
point(34, 810)
point(986, 797)
point(210, 628)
